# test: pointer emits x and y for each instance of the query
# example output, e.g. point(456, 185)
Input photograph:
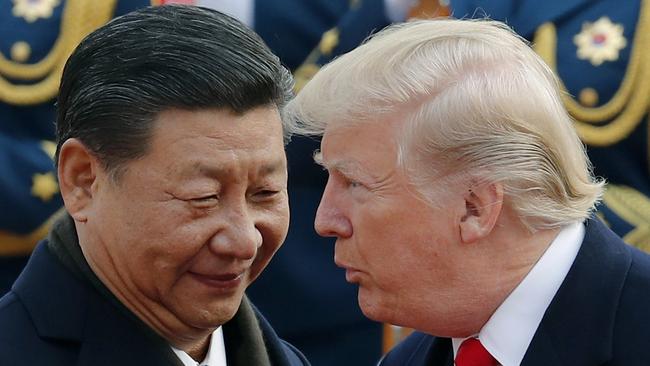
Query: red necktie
point(472, 353)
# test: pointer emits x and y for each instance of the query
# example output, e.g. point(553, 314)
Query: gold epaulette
point(616, 119)
point(19, 245)
point(79, 18)
point(633, 207)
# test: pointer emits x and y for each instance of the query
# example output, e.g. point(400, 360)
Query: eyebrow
point(272, 167)
point(348, 168)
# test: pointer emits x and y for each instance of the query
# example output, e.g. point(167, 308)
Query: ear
point(77, 170)
point(483, 204)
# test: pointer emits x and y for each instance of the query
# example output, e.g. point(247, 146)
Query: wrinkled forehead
point(358, 145)
point(197, 136)
point(386, 127)
point(263, 122)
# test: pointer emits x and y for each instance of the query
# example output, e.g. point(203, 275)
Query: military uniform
point(599, 50)
point(37, 37)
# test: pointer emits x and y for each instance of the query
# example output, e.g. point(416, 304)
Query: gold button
point(20, 51)
point(588, 97)
point(44, 186)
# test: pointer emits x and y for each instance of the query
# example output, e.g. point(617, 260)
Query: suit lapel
point(578, 325)
point(274, 347)
point(432, 351)
point(440, 353)
point(542, 351)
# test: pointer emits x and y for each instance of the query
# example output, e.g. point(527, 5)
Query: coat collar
point(39, 289)
point(66, 308)
point(585, 305)
point(439, 353)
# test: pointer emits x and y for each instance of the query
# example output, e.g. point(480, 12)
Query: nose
point(331, 220)
point(239, 238)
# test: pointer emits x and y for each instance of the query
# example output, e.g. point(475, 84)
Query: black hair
point(126, 72)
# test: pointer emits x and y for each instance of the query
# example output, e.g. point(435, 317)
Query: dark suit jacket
point(599, 316)
point(52, 317)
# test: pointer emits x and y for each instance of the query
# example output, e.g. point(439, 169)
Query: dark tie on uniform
point(472, 353)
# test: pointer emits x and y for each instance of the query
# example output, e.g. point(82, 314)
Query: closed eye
point(206, 198)
point(266, 193)
point(205, 201)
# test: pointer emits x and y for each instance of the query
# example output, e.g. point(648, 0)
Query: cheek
point(274, 223)
point(165, 247)
point(373, 238)
point(273, 226)
point(397, 247)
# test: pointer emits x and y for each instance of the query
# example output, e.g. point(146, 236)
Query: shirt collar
point(216, 355)
point(509, 331)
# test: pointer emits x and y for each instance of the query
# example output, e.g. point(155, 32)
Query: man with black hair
point(171, 164)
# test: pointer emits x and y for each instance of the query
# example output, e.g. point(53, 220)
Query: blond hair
point(472, 96)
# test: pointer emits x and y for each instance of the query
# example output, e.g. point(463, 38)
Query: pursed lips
point(351, 274)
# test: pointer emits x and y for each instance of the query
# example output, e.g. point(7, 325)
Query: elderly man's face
point(399, 250)
point(192, 223)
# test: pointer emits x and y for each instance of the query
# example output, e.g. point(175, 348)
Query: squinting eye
point(353, 184)
point(205, 201)
point(206, 198)
point(266, 193)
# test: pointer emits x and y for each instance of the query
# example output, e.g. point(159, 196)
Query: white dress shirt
point(511, 328)
point(216, 355)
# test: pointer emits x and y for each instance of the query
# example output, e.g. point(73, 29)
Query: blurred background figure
point(36, 37)
point(599, 49)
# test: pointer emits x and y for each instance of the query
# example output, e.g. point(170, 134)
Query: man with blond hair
point(461, 199)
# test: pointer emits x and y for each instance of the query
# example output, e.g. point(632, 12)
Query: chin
point(371, 308)
point(371, 313)
point(214, 317)
point(211, 314)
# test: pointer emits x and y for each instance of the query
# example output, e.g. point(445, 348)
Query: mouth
point(221, 281)
point(351, 274)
